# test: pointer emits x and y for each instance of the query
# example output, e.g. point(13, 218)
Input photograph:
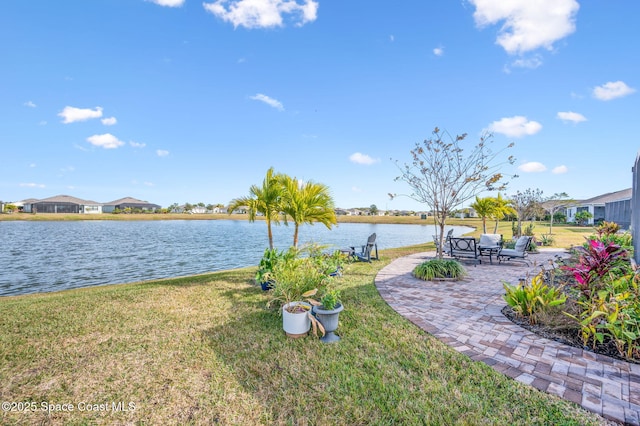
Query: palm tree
point(265, 200)
point(307, 202)
point(485, 208)
point(502, 209)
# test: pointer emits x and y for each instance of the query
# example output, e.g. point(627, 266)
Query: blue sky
point(190, 101)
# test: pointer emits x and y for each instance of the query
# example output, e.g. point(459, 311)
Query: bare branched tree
point(442, 176)
point(555, 203)
point(526, 204)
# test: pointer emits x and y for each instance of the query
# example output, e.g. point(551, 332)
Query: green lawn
point(205, 349)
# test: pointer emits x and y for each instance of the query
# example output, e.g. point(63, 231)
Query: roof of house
point(624, 194)
point(66, 199)
point(130, 201)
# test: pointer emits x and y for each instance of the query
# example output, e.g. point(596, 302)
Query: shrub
point(547, 239)
point(582, 217)
point(531, 299)
point(613, 313)
point(598, 261)
point(439, 268)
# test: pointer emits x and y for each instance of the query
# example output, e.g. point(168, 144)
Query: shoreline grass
point(204, 349)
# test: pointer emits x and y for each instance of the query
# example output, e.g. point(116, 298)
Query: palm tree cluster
point(495, 208)
point(282, 197)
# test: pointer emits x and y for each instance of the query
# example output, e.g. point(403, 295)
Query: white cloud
point(392, 38)
point(516, 127)
point(30, 104)
point(356, 189)
point(558, 170)
point(168, 3)
point(106, 141)
point(109, 121)
point(438, 51)
point(612, 90)
point(532, 62)
point(148, 184)
point(532, 167)
point(71, 114)
point(32, 185)
point(263, 13)
point(269, 101)
point(162, 153)
point(137, 144)
point(359, 158)
point(528, 25)
point(571, 116)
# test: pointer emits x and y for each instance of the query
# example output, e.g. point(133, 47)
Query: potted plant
point(264, 275)
point(327, 311)
point(295, 280)
point(330, 264)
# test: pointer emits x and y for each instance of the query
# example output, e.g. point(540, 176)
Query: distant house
point(128, 203)
point(198, 210)
point(597, 206)
point(241, 210)
point(219, 210)
point(61, 204)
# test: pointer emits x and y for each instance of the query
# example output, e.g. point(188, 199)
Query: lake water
point(50, 256)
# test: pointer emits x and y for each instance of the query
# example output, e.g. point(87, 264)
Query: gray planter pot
point(329, 320)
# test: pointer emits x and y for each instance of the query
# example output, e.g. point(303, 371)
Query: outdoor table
point(489, 251)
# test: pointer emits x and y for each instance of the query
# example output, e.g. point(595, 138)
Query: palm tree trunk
point(295, 236)
point(270, 234)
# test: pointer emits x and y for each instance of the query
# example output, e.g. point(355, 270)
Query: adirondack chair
point(365, 253)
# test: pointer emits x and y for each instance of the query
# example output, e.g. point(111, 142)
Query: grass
point(205, 349)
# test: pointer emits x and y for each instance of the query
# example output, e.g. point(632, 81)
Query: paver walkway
point(467, 316)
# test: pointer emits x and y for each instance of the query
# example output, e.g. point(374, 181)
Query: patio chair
point(464, 248)
point(445, 245)
point(365, 254)
point(489, 245)
point(519, 252)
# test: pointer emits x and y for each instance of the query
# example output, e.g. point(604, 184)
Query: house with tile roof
point(61, 204)
point(128, 203)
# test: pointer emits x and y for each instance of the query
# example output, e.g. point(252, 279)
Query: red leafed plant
point(597, 261)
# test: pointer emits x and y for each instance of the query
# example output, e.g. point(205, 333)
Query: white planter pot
point(296, 324)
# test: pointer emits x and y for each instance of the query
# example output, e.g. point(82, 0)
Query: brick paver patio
point(466, 316)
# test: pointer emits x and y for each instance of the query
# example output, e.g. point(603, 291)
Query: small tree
point(526, 204)
point(582, 217)
point(373, 210)
point(441, 176)
point(306, 202)
point(484, 207)
point(553, 204)
point(263, 199)
point(502, 210)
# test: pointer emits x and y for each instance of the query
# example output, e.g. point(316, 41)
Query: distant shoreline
point(410, 220)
